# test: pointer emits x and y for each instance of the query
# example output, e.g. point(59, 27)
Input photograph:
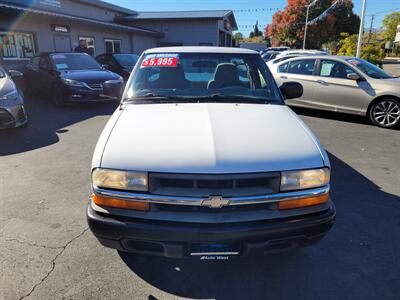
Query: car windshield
point(369, 69)
point(127, 60)
point(74, 61)
point(203, 77)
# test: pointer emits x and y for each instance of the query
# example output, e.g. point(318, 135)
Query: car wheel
point(385, 113)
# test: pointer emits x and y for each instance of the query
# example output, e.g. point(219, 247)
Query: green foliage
point(390, 23)
point(373, 52)
point(256, 31)
point(238, 36)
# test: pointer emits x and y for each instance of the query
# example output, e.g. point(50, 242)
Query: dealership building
point(28, 27)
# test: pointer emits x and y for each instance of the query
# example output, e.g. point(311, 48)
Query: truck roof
point(200, 49)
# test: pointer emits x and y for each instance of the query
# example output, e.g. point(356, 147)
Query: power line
point(384, 11)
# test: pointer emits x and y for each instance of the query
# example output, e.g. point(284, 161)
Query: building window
point(14, 45)
point(221, 38)
point(89, 43)
point(112, 46)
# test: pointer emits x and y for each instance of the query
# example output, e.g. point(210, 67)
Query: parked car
point(204, 159)
point(12, 111)
point(280, 58)
point(302, 52)
point(344, 84)
point(121, 63)
point(72, 77)
point(267, 56)
point(276, 49)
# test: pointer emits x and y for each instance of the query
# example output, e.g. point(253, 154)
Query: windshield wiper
point(231, 98)
point(151, 98)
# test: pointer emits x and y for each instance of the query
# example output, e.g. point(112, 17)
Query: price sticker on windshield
point(160, 60)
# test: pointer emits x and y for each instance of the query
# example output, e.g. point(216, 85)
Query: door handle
point(283, 77)
point(322, 82)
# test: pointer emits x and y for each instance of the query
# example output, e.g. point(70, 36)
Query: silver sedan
point(12, 111)
point(344, 84)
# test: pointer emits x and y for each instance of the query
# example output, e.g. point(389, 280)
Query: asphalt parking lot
point(47, 251)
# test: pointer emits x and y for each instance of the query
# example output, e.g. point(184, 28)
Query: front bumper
point(108, 92)
point(12, 114)
point(174, 239)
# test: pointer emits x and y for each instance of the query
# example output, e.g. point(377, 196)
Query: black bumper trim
point(171, 239)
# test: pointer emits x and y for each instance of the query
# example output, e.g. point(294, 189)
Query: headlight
point(120, 180)
point(71, 82)
point(10, 96)
point(305, 179)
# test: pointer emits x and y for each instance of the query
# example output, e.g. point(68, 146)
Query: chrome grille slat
point(95, 86)
point(204, 185)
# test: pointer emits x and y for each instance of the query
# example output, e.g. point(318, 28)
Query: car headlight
point(10, 96)
point(71, 82)
point(304, 179)
point(120, 180)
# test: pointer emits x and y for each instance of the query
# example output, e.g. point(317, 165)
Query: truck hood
point(209, 138)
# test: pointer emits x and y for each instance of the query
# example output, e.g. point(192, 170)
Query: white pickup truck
point(204, 159)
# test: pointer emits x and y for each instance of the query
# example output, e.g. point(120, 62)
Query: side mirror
point(105, 67)
point(15, 73)
point(291, 90)
point(353, 76)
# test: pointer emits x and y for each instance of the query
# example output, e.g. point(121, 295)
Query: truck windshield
point(191, 76)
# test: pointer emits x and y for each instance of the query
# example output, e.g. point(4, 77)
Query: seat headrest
point(226, 72)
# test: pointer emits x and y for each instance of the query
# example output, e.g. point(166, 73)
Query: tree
point(287, 26)
point(238, 36)
point(390, 23)
point(373, 52)
point(257, 31)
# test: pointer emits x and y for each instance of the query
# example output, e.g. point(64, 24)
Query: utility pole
point(360, 33)
point(305, 27)
point(370, 28)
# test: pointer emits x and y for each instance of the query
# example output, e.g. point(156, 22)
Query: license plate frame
point(215, 249)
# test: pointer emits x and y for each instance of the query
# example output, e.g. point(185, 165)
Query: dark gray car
point(12, 111)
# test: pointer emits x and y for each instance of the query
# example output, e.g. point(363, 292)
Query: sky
point(265, 9)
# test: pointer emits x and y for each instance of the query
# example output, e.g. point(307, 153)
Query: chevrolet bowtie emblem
point(215, 202)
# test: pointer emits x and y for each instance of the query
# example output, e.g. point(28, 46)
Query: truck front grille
point(202, 185)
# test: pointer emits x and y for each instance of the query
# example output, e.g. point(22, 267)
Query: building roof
point(110, 6)
point(176, 15)
point(77, 18)
point(200, 49)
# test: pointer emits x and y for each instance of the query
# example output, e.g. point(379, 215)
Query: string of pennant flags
point(244, 26)
point(252, 10)
point(323, 16)
point(316, 20)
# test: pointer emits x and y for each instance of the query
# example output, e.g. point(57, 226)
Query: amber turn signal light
point(118, 203)
point(298, 203)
